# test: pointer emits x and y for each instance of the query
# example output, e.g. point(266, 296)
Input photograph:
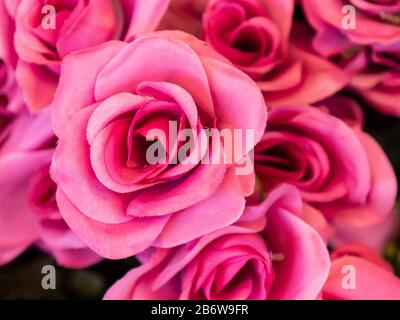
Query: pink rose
point(339, 169)
point(286, 260)
point(261, 38)
point(29, 213)
point(370, 277)
point(41, 45)
point(109, 193)
point(369, 52)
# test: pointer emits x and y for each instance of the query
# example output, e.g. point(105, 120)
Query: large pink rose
point(261, 38)
point(370, 52)
point(110, 194)
point(78, 24)
point(29, 213)
point(373, 277)
point(286, 260)
point(339, 169)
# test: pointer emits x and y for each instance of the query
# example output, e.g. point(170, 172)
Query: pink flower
point(369, 52)
point(77, 24)
point(29, 213)
point(286, 260)
point(261, 38)
point(117, 201)
point(370, 277)
point(339, 169)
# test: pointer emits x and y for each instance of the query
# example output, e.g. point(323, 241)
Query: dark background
point(21, 279)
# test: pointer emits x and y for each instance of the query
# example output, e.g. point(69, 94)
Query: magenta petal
point(305, 265)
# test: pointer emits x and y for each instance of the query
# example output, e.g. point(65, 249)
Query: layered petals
point(140, 142)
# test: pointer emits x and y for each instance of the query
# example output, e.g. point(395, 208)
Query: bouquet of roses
point(221, 143)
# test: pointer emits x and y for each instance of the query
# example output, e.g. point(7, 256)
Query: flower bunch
point(223, 143)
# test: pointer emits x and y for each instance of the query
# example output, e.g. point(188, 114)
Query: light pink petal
point(172, 93)
point(78, 76)
point(111, 241)
point(317, 221)
point(18, 226)
point(146, 58)
point(220, 210)
point(28, 133)
point(238, 103)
